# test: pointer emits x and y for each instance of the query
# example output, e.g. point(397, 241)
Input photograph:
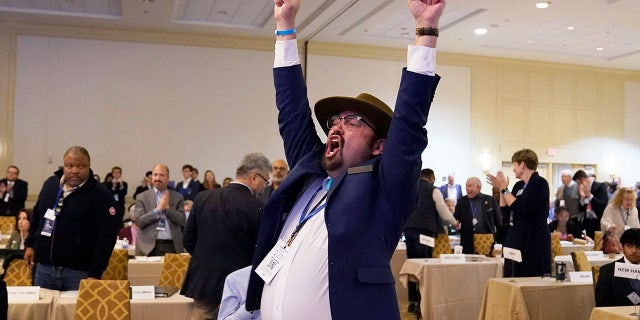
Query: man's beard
point(333, 163)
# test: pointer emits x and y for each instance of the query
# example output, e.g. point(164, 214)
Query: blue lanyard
point(473, 209)
point(55, 204)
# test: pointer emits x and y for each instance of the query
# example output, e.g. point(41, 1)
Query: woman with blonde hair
point(621, 213)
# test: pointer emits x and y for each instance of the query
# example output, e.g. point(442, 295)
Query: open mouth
point(334, 143)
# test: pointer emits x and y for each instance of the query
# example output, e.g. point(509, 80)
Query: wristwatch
point(504, 191)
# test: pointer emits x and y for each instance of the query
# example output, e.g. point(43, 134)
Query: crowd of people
point(271, 242)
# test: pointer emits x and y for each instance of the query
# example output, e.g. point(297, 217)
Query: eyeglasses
point(266, 181)
point(350, 121)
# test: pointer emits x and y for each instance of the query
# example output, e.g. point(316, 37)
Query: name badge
point(512, 254)
point(273, 262)
point(475, 221)
point(49, 223)
point(519, 192)
point(143, 293)
point(427, 241)
point(23, 293)
point(635, 299)
point(581, 276)
point(452, 258)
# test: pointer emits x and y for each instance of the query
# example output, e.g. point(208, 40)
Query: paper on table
point(69, 294)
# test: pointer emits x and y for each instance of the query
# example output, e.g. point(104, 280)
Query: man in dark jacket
point(614, 291)
point(73, 227)
point(221, 234)
point(477, 213)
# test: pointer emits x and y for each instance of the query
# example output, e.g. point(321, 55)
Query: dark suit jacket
point(188, 192)
point(366, 208)
point(445, 191)
point(612, 291)
point(463, 213)
point(598, 204)
point(16, 202)
point(220, 235)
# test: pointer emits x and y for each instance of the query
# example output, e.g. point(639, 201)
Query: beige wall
point(189, 98)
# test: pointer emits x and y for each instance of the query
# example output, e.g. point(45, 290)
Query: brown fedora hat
point(376, 111)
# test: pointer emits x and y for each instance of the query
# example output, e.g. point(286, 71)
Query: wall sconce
point(485, 161)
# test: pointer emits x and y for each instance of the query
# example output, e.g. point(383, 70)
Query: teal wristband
point(285, 32)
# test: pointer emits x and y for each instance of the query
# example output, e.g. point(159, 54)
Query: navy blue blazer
point(612, 291)
point(366, 208)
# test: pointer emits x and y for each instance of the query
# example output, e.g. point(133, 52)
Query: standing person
point(529, 203)
point(477, 213)
point(621, 213)
point(13, 192)
point(567, 196)
point(188, 187)
point(426, 220)
point(118, 188)
point(339, 213)
point(159, 215)
point(74, 226)
point(221, 234)
point(279, 171)
point(451, 190)
point(593, 200)
point(209, 181)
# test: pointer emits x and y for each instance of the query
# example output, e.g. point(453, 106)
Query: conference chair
point(556, 248)
point(595, 272)
point(442, 245)
point(580, 261)
point(173, 269)
point(482, 243)
point(118, 268)
point(597, 241)
point(16, 272)
point(103, 300)
point(7, 224)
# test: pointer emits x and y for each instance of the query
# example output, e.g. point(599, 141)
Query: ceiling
point(516, 28)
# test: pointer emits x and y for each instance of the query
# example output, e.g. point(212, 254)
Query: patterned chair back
point(580, 261)
point(173, 270)
point(442, 245)
point(482, 243)
point(103, 300)
point(597, 241)
point(16, 272)
point(118, 268)
point(7, 224)
point(556, 248)
point(595, 272)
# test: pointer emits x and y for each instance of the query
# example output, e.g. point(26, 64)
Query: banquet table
point(594, 261)
point(568, 247)
point(55, 305)
point(397, 260)
point(145, 271)
point(536, 298)
point(450, 290)
point(614, 313)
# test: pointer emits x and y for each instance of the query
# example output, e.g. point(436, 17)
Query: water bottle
point(14, 244)
point(125, 243)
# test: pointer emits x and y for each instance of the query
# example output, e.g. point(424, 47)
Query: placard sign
point(143, 293)
point(452, 258)
point(581, 276)
point(23, 293)
point(593, 254)
point(427, 241)
point(626, 270)
point(512, 254)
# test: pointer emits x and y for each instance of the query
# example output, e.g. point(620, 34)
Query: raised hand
point(284, 11)
point(427, 13)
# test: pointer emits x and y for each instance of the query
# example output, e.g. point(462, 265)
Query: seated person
point(568, 229)
point(21, 230)
point(234, 295)
point(615, 291)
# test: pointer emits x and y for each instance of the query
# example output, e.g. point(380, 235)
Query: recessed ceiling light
point(529, 41)
point(570, 28)
point(599, 49)
point(542, 5)
point(480, 31)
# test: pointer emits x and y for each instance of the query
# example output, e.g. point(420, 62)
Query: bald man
point(279, 171)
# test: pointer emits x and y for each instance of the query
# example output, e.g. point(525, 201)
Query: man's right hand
point(28, 256)
point(284, 11)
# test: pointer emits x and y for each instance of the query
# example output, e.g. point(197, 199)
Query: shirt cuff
point(286, 53)
point(422, 60)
